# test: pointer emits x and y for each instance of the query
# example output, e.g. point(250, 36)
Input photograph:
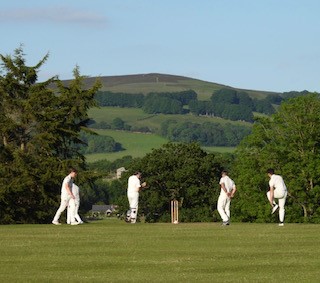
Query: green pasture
point(113, 251)
point(107, 114)
point(138, 145)
point(135, 144)
point(137, 118)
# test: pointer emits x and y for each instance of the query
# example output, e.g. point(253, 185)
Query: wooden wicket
point(174, 212)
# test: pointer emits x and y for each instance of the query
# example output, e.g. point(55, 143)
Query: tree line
point(93, 143)
point(207, 134)
point(225, 103)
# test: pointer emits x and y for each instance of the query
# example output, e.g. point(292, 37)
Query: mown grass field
point(114, 251)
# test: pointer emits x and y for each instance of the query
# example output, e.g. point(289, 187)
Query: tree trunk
point(305, 213)
point(5, 143)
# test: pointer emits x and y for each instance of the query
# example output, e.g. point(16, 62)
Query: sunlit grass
point(114, 251)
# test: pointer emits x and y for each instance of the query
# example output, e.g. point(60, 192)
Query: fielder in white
point(228, 189)
point(279, 191)
point(67, 198)
point(133, 194)
point(74, 212)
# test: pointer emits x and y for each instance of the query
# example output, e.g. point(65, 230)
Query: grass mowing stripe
point(114, 251)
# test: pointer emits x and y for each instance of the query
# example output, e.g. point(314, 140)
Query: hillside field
point(113, 251)
point(137, 145)
point(137, 118)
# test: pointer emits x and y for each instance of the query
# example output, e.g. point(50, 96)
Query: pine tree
point(40, 129)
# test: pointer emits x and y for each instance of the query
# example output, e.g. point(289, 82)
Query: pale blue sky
point(269, 45)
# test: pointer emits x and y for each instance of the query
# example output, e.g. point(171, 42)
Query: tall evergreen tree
point(39, 127)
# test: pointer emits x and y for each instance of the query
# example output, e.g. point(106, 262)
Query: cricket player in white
point(133, 194)
point(67, 198)
point(75, 211)
point(279, 191)
point(228, 189)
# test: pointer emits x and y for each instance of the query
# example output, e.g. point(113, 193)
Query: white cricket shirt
point(228, 183)
point(133, 184)
point(67, 180)
point(277, 182)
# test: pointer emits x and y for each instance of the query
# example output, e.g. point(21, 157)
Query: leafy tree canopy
point(178, 171)
point(288, 142)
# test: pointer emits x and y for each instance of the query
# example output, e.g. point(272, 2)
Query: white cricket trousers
point(65, 201)
point(224, 206)
point(133, 198)
point(74, 211)
point(281, 196)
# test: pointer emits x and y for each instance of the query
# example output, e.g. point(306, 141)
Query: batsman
point(134, 186)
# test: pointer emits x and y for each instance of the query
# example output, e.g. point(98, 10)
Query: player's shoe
point(56, 223)
point(281, 224)
point(74, 223)
point(225, 223)
point(128, 216)
point(275, 207)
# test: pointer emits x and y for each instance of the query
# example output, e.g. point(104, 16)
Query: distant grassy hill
point(145, 83)
point(138, 144)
